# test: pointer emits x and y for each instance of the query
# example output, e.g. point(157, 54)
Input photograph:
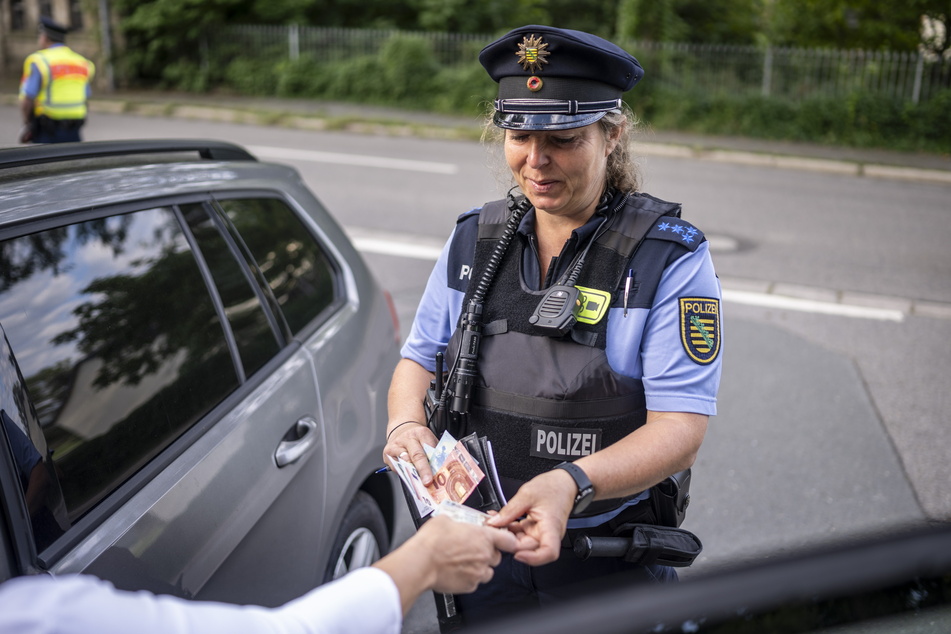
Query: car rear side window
point(118, 340)
point(295, 266)
point(253, 333)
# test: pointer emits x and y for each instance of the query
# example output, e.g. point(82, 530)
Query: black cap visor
point(541, 122)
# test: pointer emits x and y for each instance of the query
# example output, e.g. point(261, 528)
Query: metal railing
point(793, 74)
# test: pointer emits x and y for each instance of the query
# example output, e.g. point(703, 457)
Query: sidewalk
point(320, 115)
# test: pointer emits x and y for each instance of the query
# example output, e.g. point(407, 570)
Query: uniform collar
point(527, 226)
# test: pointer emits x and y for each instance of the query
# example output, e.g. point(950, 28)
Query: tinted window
point(253, 334)
point(29, 452)
point(118, 341)
point(295, 267)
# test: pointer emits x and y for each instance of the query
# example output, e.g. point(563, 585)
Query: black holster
point(670, 498)
point(642, 544)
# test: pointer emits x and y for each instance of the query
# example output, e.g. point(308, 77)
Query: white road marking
point(768, 300)
point(397, 248)
point(409, 248)
point(359, 160)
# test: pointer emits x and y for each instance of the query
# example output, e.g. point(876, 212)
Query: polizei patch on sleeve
point(700, 328)
point(563, 443)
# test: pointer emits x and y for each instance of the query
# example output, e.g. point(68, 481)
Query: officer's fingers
point(412, 442)
point(544, 554)
point(508, 513)
point(526, 542)
point(392, 450)
point(546, 546)
point(418, 457)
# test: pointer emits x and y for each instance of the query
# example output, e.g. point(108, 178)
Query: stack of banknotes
point(455, 476)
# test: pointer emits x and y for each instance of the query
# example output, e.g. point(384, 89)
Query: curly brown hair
point(622, 172)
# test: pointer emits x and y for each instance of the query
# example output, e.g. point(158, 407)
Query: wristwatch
point(585, 488)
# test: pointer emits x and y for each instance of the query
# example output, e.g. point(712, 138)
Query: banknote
point(461, 513)
point(437, 455)
point(457, 478)
point(454, 479)
point(412, 482)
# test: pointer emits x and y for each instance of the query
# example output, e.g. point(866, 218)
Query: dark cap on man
point(55, 31)
point(556, 79)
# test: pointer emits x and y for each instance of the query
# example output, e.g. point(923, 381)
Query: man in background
point(54, 88)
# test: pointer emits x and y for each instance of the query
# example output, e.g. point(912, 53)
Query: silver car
point(193, 374)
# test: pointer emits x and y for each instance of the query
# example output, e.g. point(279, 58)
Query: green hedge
point(405, 74)
point(859, 120)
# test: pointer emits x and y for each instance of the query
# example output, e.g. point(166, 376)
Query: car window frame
point(249, 275)
point(242, 253)
point(17, 549)
point(344, 288)
point(21, 535)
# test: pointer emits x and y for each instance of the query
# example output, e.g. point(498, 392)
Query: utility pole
point(106, 42)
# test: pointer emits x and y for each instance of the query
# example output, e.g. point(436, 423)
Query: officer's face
point(561, 172)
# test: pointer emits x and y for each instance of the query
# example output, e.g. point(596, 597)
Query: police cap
point(555, 79)
point(53, 29)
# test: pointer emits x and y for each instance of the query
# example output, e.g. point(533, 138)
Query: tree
point(160, 34)
point(694, 21)
point(847, 24)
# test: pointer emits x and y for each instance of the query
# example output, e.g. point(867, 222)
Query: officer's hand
point(406, 442)
point(543, 504)
point(26, 134)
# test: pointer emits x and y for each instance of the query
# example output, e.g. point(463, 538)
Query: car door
point(182, 424)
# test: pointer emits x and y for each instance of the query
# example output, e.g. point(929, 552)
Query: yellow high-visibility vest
point(66, 75)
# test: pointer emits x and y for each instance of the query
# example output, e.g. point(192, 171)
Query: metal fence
point(793, 74)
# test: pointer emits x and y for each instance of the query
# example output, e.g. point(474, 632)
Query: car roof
point(42, 181)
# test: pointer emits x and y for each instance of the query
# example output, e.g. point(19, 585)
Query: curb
point(398, 127)
point(288, 119)
point(783, 161)
point(360, 125)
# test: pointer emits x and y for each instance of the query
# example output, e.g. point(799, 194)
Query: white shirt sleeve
point(366, 601)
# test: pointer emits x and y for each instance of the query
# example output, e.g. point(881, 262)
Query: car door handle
point(298, 440)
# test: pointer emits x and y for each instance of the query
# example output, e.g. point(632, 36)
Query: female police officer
point(588, 407)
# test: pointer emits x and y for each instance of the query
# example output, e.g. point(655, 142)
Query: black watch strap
point(585, 489)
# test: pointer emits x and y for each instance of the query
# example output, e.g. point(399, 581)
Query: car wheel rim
point(361, 549)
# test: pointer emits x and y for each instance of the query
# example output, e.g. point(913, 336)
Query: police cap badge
point(555, 79)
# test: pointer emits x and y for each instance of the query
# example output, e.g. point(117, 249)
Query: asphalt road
point(837, 319)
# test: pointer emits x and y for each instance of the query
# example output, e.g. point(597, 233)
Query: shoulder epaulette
point(653, 204)
point(467, 214)
point(676, 230)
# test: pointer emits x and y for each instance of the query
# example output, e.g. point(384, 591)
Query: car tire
point(361, 540)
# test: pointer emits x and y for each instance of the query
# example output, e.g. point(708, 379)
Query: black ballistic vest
point(539, 399)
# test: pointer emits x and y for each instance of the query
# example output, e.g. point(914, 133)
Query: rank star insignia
point(532, 53)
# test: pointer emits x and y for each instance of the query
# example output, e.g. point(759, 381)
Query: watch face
point(583, 499)
point(585, 489)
